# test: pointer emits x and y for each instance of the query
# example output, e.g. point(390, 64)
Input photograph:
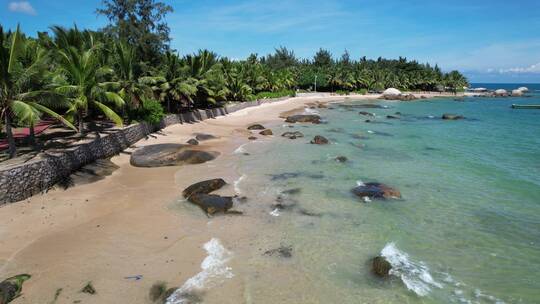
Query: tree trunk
point(168, 105)
point(12, 149)
point(32, 137)
point(81, 123)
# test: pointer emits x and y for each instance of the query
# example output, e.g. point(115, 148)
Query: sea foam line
point(415, 275)
point(214, 267)
point(237, 184)
point(240, 150)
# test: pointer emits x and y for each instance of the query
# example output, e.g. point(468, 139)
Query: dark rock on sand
point(392, 117)
point(341, 159)
point(293, 135)
point(380, 266)
point(282, 252)
point(266, 132)
point(88, 288)
point(205, 187)
point(212, 204)
point(376, 190)
point(319, 140)
point(310, 118)
point(193, 142)
point(448, 116)
point(256, 127)
point(252, 138)
point(366, 113)
point(202, 137)
point(169, 155)
point(11, 288)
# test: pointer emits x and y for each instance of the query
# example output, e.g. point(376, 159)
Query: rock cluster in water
point(199, 194)
point(305, 118)
point(319, 140)
point(292, 135)
point(161, 155)
point(376, 190)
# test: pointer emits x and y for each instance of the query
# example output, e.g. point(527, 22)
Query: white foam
point(366, 199)
point(240, 150)
point(275, 212)
point(415, 275)
point(311, 111)
point(214, 267)
point(237, 183)
point(360, 183)
point(370, 132)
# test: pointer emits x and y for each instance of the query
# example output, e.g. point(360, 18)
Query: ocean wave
point(214, 267)
point(415, 275)
point(311, 111)
point(240, 150)
point(237, 183)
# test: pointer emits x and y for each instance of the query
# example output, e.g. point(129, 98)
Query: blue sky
point(490, 41)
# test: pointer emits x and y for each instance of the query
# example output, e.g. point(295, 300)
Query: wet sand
point(134, 222)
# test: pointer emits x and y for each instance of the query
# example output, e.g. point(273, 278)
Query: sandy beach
point(134, 222)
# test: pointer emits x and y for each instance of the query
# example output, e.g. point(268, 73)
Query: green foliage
point(150, 111)
point(278, 94)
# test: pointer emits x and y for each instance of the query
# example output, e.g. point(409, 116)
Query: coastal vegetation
point(128, 72)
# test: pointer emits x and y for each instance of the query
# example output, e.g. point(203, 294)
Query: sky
point(487, 40)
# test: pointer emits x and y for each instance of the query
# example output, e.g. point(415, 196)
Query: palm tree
point(20, 98)
point(80, 74)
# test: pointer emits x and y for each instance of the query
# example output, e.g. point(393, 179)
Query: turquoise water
point(466, 231)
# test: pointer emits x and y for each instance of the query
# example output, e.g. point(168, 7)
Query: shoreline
point(133, 221)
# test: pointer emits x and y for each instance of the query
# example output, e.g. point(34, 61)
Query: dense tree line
point(127, 71)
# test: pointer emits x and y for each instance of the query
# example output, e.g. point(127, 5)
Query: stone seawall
point(22, 180)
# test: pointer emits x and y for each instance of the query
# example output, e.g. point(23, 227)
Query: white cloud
point(535, 68)
point(22, 7)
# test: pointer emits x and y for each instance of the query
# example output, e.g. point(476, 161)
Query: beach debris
point(341, 159)
point(88, 288)
point(252, 138)
point(204, 187)
point(448, 116)
point(212, 203)
point(203, 136)
point(366, 113)
point(256, 127)
point(319, 140)
point(169, 155)
point(159, 292)
point(306, 118)
point(11, 288)
point(266, 132)
point(282, 252)
point(136, 277)
point(292, 135)
point(376, 190)
point(381, 267)
point(193, 142)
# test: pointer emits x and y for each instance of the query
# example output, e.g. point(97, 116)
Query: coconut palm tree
point(80, 74)
point(20, 97)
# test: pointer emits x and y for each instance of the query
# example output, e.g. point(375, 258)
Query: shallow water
point(466, 230)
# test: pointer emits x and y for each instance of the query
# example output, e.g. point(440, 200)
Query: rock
point(205, 187)
point(523, 89)
point(448, 116)
point(306, 118)
point(363, 106)
point(341, 159)
point(202, 137)
point(319, 140)
point(391, 92)
point(376, 190)
point(193, 142)
point(282, 251)
point(402, 97)
point(392, 117)
point(380, 266)
point(293, 135)
point(11, 288)
point(266, 132)
point(252, 138)
point(211, 203)
point(256, 127)
point(517, 93)
point(366, 113)
point(500, 93)
point(161, 155)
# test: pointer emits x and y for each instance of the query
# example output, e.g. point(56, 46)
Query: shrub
point(278, 94)
point(150, 111)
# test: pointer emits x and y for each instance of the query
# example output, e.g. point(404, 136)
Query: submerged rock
point(380, 266)
point(376, 190)
point(266, 132)
point(293, 135)
point(282, 252)
point(161, 155)
point(211, 203)
point(202, 137)
point(319, 140)
point(392, 117)
point(448, 116)
point(256, 127)
point(366, 113)
point(307, 118)
point(11, 288)
point(193, 142)
point(364, 106)
point(292, 191)
point(205, 187)
point(341, 159)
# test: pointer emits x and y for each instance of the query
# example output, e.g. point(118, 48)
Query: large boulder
point(523, 89)
point(517, 93)
point(391, 92)
point(500, 92)
point(211, 203)
point(309, 118)
point(293, 135)
point(256, 127)
point(319, 140)
point(11, 288)
point(380, 266)
point(161, 155)
point(205, 187)
point(448, 116)
point(376, 190)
